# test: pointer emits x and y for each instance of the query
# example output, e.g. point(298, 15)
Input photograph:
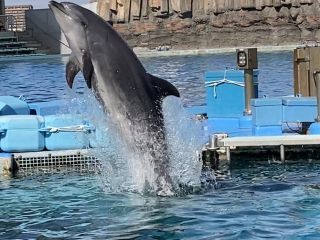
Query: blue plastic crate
point(299, 109)
point(49, 108)
point(62, 140)
point(266, 111)
point(13, 106)
point(20, 133)
point(225, 93)
point(266, 130)
point(222, 125)
point(197, 110)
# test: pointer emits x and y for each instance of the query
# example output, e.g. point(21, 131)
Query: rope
point(216, 83)
point(76, 128)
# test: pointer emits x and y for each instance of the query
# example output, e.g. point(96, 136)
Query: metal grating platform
point(57, 160)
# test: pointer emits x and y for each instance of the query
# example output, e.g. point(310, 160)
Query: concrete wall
point(45, 29)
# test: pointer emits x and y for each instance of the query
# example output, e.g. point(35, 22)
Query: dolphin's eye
point(84, 24)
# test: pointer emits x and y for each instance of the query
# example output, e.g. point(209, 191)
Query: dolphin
point(130, 96)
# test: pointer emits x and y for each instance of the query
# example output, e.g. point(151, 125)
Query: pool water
point(253, 200)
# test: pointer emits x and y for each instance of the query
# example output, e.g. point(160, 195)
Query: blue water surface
point(254, 200)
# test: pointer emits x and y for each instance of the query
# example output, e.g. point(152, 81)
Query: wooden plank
point(236, 5)
point(176, 5)
point(198, 7)
point(127, 7)
point(113, 5)
point(277, 3)
point(145, 9)
point(248, 4)
point(301, 69)
point(155, 3)
point(306, 1)
point(220, 6)
point(164, 6)
point(209, 6)
point(295, 3)
point(268, 3)
point(229, 4)
point(135, 9)
point(259, 4)
point(121, 11)
point(314, 66)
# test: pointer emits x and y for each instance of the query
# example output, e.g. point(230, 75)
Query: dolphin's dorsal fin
point(163, 87)
point(72, 70)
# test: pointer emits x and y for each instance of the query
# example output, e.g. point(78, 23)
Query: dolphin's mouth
point(56, 5)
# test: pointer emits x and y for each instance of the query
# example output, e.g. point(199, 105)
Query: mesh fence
point(51, 162)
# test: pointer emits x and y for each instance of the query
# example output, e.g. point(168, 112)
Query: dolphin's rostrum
point(130, 95)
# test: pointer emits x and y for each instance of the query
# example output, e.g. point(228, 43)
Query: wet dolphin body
point(130, 96)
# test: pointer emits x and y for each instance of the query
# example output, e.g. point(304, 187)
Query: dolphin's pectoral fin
point(87, 69)
point(163, 87)
point(72, 70)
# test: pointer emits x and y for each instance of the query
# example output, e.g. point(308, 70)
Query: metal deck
point(305, 146)
point(260, 141)
point(73, 159)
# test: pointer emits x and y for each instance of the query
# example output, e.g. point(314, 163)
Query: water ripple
point(254, 201)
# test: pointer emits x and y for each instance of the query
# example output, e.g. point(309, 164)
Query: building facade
point(19, 14)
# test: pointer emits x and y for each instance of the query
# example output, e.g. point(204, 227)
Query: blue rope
point(216, 83)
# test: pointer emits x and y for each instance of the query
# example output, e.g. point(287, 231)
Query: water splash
point(185, 141)
point(126, 169)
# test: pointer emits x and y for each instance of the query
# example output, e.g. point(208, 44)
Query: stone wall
point(184, 24)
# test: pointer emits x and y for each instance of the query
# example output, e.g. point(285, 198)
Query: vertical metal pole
point(228, 154)
point(249, 90)
point(282, 154)
point(316, 77)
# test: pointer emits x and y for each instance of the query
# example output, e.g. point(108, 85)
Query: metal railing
point(8, 23)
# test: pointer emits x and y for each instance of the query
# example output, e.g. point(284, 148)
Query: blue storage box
point(299, 109)
point(222, 125)
point(225, 93)
point(196, 110)
point(20, 133)
point(266, 130)
point(13, 106)
point(49, 108)
point(61, 140)
point(266, 111)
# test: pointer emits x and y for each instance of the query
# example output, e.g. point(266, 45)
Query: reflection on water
point(43, 79)
point(265, 201)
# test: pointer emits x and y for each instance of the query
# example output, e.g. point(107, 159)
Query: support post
point(249, 90)
point(247, 60)
point(282, 154)
point(228, 154)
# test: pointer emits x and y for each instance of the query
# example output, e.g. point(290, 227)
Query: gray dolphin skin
point(130, 96)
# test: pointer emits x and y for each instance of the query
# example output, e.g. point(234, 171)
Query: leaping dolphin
point(130, 96)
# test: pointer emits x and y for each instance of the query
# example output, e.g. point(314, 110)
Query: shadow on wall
point(45, 29)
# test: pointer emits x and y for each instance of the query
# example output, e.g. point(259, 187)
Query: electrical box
point(247, 58)
point(306, 62)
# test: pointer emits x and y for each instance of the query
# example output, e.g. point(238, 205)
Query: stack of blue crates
point(225, 99)
point(22, 132)
point(13, 106)
point(299, 109)
point(64, 140)
point(266, 116)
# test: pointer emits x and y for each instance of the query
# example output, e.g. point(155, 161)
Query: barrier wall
point(45, 29)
